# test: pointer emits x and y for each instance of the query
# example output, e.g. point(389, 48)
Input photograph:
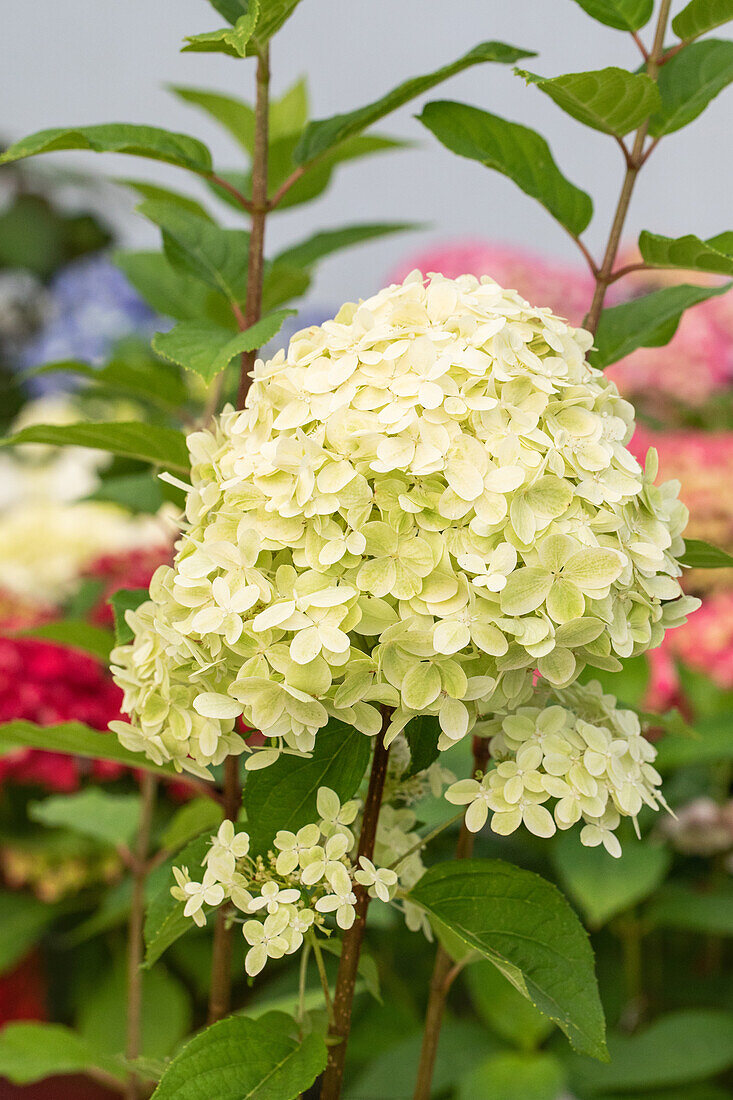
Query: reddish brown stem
point(444, 970)
point(259, 208)
point(221, 959)
point(285, 187)
point(351, 949)
point(243, 201)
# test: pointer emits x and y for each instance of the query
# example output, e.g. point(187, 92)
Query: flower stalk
point(351, 950)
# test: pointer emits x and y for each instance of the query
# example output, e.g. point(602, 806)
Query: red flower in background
point(46, 683)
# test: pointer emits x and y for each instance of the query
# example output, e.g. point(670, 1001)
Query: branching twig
point(243, 201)
point(285, 187)
point(351, 949)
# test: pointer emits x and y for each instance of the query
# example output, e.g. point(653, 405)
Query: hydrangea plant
point(409, 543)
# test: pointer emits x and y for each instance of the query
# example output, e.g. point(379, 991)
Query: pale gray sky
point(83, 61)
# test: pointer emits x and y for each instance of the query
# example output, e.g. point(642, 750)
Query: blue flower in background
point(91, 307)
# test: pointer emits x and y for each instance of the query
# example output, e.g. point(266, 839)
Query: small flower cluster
point(311, 874)
point(426, 500)
point(587, 758)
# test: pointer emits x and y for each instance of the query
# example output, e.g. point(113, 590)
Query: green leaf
point(77, 739)
point(147, 442)
point(689, 81)
point(164, 919)
point(611, 100)
point(121, 601)
point(688, 252)
point(622, 15)
point(230, 40)
point(703, 555)
point(76, 635)
point(513, 1076)
point(230, 10)
point(193, 818)
point(170, 291)
point(122, 137)
point(288, 115)
point(317, 176)
point(313, 249)
point(23, 918)
point(525, 927)
point(515, 151)
point(165, 1011)
point(603, 886)
point(157, 193)
point(647, 322)
point(283, 796)
point(142, 377)
point(135, 492)
point(283, 283)
point(713, 743)
point(682, 906)
point(629, 684)
point(234, 115)
point(701, 16)
point(31, 1052)
point(422, 735)
point(273, 15)
point(108, 818)
point(322, 135)
point(677, 1048)
point(390, 1073)
point(195, 245)
point(206, 349)
point(258, 1059)
point(503, 1009)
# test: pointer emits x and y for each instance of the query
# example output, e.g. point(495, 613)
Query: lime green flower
point(426, 501)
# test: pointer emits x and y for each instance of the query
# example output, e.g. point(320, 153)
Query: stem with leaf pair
point(444, 969)
point(343, 998)
point(635, 159)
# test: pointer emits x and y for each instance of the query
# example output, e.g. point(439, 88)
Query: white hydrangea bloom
point(579, 759)
point(426, 499)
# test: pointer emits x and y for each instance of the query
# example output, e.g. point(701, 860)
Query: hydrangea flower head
point(425, 501)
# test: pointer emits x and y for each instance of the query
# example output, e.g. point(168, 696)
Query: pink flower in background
point(566, 289)
point(703, 463)
point(694, 366)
